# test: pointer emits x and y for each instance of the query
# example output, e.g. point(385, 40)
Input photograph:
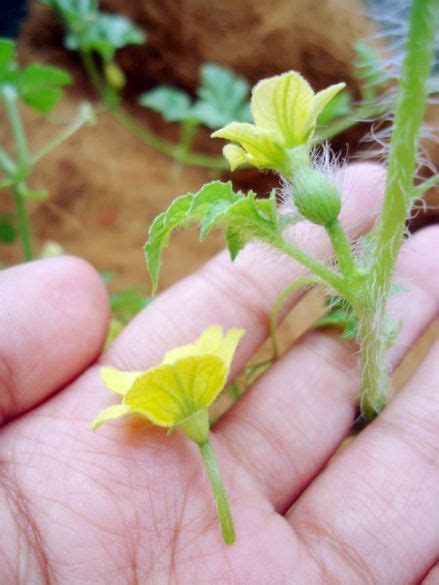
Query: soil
point(105, 190)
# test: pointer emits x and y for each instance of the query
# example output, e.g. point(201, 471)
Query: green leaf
point(43, 99)
point(36, 76)
point(127, 303)
point(8, 232)
point(342, 319)
point(244, 218)
point(172, 103)
point(223, 97)
point(90, 29)
point(7, 54)
point(104, 33)
point(338, 107)
point(39, 86)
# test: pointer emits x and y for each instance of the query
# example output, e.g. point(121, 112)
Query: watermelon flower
point(178, 393)
point(285, 111)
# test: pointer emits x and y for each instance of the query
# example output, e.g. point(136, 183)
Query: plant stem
point(23, 221)
point(65, 134)
point(7, 165)
point(342, 249)
point(17, 183)
point(13, 114)
point(165, 147)
point(410, 110)
point(328, 275)
point(111, 100)
point(423, 187)
point(219, 492)
point(188, 128)
point(94, 74)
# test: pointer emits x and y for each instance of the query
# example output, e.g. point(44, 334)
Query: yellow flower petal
point(214, 342)
point(282, 105)
point(173, 392)
point(322, 98)
point(117, 381)
point(235, 156)
point(263, 149)
point(211, 342)
point(110, 413)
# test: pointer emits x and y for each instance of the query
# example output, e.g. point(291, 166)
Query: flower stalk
point(219, 492)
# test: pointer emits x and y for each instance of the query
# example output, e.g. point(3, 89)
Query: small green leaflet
point(7, 54)
point(39, 86)
point(244, 218)
point(172, 103)
point(222, 98)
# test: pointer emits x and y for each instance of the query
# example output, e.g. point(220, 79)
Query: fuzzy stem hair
point(409, 116)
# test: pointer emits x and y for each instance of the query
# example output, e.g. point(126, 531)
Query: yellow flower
point(285, 111)
point(179, 391)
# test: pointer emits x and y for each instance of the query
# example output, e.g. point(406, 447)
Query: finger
point(295, 416)
point(433, 576)
point(239, 294)
point(53, 319)
point(373, 513)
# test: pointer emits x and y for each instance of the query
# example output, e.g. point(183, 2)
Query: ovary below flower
point(285, 111)
point(179, 391)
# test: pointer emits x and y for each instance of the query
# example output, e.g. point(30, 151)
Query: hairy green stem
point(23, 221)
point(342, 249)
point(409, 115)
point(328, 275)
point(219, 492)
point(425, 186)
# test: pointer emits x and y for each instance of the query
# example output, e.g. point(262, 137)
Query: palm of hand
point(130, 504)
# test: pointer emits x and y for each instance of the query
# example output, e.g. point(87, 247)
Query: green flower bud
point(114, 75)
point(316, 196)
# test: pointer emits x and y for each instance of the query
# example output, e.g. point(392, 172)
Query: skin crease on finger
point(133, 505)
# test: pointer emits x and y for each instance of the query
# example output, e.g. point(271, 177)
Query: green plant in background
point(40, 88)
point(97, 35)
point(222, 97)
point(124, 305)
point(285, 112)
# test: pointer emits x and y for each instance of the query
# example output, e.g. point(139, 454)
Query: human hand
point(132, 505)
